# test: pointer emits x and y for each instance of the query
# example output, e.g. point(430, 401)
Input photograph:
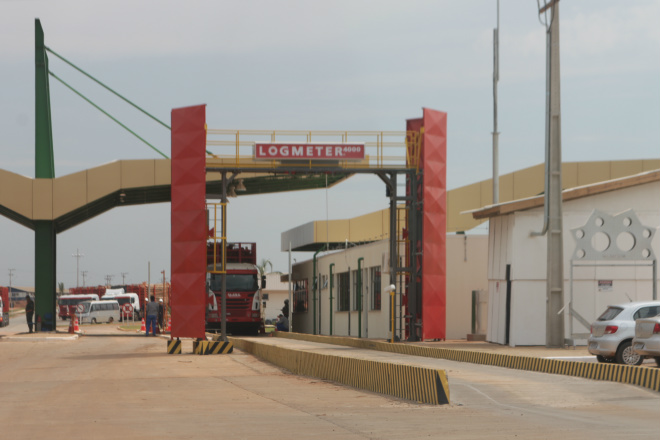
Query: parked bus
point(4, 307)
point(67, 304)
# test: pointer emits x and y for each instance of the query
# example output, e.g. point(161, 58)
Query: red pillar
point(434, 259)
point(433, 237)
point(189, 224)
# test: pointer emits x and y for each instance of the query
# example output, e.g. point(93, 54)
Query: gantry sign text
point(308, 151)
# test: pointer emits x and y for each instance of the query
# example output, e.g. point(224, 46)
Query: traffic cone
point(169, 325)
point(76, 328)
point(144, 327)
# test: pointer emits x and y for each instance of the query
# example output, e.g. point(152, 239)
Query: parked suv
point(647, 338)
point(613, 331)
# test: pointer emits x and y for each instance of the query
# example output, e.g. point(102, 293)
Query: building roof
point(567, 194)
point(519, 188)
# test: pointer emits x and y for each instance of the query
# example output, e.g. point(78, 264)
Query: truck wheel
point(93, 321)
point(110, 320)
point(657, 360)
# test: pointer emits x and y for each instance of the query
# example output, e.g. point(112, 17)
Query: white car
point(612, 333)
point(647, 338)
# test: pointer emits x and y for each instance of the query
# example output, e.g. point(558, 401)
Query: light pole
point(77, 256)
point(553, 222)
point(496, 134)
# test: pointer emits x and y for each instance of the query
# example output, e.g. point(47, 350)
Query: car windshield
point(85, 306)
point(610, 313)
point(235, 282)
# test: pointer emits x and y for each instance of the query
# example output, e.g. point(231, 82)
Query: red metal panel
point(188, 222)
point(434, 275)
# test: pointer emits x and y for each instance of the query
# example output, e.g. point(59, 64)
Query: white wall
point(466, 271)
point(510, 241)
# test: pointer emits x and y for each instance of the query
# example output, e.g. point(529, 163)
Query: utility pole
point(123, 277)
point(77, 256)
point(108, 280)
point(554, 335)
point(163, 273)
point(11, 296)
point(84, 274)
point(496, 134)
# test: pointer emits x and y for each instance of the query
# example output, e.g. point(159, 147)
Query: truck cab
point(243, 289)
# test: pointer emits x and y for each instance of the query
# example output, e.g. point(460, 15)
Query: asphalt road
point(127, 387)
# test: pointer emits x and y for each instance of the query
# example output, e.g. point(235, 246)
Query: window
point(235, 282)
point(300, 296)
point(344, 291)
point(610, 313)
point(646, 312)
point(374, 287)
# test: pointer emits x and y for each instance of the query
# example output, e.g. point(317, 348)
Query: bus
point(67, 304)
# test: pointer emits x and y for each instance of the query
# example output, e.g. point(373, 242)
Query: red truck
point(4, 306)
point(243, 288)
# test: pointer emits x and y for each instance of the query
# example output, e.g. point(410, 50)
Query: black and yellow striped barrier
point(634, 375)
point(212, 347)
point(174, 347)
point(419, 384)
point(199, 347)
point(219, 347)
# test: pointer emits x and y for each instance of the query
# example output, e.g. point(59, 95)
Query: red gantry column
point(430, 248)
point(434, 257)
point(189, 225)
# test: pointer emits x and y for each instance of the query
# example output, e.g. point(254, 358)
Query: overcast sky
point(311, 65)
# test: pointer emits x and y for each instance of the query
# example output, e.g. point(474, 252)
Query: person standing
point(29, 311)
point(152, 315)
point(285, 309)
point(161, 314)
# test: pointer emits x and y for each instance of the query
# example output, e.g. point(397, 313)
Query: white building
point(517, 260)
point(337, 301)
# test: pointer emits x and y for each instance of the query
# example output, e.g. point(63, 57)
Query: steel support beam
point(415, 237)
point(45, 285)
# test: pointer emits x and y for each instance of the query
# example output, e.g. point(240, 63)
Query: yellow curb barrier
point(629, 374)
point(409, 382)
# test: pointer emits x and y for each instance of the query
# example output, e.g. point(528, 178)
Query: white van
point(126, 298)
point(98, 311)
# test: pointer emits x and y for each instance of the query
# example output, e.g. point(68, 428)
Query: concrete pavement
point(120, 386)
